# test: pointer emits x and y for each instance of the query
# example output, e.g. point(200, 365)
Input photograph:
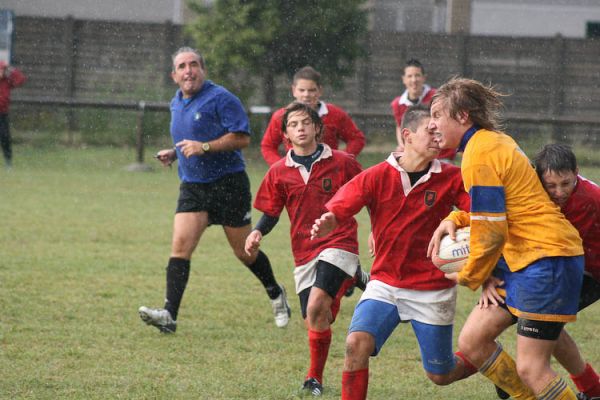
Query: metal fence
point(382, 122)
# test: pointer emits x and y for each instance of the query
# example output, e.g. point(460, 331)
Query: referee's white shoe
point(159, 318)
point(281, 309)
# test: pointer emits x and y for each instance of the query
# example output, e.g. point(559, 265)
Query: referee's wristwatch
point(205, 147)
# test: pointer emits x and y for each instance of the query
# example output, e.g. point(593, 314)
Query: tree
point(251, 42)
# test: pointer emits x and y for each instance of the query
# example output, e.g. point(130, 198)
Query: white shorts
point(434, 307)
point(305, 275)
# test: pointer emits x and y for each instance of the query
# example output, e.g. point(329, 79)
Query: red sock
point(588, 381)
point(318, 343)
point(470, 369)
point(355, 384)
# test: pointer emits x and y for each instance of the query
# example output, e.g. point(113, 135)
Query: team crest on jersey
point(430, 196)
point(327, 186)
point(197, 116)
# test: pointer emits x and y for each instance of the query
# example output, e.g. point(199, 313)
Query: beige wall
point(111, 10)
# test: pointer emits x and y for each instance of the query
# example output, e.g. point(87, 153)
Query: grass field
point(83, 244)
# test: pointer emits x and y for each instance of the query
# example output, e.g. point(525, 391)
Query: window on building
point(593, 30)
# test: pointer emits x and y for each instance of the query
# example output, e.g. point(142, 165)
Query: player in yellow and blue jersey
point(516, 226)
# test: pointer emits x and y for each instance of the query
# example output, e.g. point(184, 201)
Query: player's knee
point(527, 373)
point(244, 257)
point(317, 314)
point(466, 343)
point(358, 345)
point(440, 379)
point(182, 248)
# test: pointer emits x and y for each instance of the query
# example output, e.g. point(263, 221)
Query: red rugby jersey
point(583, 211)
point(403, 219)
point(304, 194)
point(338, 126)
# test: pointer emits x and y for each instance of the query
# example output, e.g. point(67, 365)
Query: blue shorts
point(546, 290)
point(380, 319)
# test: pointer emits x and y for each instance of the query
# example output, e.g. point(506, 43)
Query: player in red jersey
point(579, 200)
point(302, 182)
point(407, 196)
point(417, 92)
point(307, 89)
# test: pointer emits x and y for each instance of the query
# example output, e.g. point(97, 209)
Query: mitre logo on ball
point(453, 254)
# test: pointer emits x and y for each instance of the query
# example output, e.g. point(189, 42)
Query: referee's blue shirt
point(208, 115)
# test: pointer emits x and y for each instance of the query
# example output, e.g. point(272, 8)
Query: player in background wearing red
point(302, 182)
point(579, 200)
point(417, 92)
point(10, 78)
point(407, 195)
point(338, 126)
point(515, 230)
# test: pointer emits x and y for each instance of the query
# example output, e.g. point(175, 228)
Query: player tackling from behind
point(407, 195)
point(579, 200)
point(511, 217)
point(302, 182)
point(209, 128)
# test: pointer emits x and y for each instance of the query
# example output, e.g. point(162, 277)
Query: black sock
point(178, 272)
point(263, 271)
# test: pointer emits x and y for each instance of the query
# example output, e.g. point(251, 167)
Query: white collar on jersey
point(404, 98)
point(323, 110)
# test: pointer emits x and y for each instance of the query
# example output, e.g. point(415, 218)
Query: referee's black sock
point(263, 271)
point(178, 272)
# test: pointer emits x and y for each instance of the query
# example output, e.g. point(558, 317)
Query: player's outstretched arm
point(445, 227)
point(253, 242)
point(323, 225)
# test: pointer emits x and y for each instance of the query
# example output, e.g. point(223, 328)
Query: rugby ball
point(453, 254)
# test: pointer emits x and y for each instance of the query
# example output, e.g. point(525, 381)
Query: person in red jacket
point(417, 92)
point(10, 78)
point(307, 89)
point(407, 195)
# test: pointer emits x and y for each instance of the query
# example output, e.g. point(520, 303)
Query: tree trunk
point(269, 88)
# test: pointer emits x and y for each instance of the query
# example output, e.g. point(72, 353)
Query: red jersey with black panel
point(303, 194)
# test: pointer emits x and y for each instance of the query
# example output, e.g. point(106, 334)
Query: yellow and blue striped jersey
point(511, 214)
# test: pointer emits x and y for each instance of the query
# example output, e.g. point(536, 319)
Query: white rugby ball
point(453, 254)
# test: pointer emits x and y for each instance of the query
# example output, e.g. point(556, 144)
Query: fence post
point(139, 139)
point(463, 54)
point(557, 87)
point(139, 165)
point(71, 41)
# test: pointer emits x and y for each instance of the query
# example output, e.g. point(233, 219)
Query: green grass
point(83, 243)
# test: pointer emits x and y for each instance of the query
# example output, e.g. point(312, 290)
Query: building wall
point(533, 18)
point(530, 18)
point(108, 10)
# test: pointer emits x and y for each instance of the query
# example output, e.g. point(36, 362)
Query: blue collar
point(467, 136)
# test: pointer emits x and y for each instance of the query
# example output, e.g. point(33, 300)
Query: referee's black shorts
point(227, 200)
